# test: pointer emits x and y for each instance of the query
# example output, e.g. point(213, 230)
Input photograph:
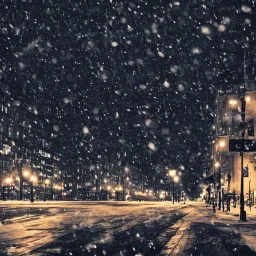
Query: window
point(236, 118)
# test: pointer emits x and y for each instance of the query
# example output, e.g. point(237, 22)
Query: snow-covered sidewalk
point(220, 233)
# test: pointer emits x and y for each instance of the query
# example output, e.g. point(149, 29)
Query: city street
point(122, 228)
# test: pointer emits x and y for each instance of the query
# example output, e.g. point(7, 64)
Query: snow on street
point(120, 228)
point(88, 228)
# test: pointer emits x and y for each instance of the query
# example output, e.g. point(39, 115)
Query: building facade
point(26, 149)
point(227, 126)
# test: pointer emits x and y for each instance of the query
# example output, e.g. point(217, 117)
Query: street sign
point(245, 172)
point(236, 145)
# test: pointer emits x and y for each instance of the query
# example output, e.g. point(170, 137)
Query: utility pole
point(19, 165)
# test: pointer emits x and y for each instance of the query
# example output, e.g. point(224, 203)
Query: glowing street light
point(8, 180)
point(33, 179)
point(247, 98)
point(222, 144)
point(176, 179)
point(217, 164)
point(172, 173)
point(46, 182)
point(232, 102)
point(26, 173)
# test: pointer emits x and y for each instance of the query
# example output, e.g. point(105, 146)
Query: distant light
point(25, 173)
point(8, 180)
point(247, 98)
point(222, 144)
point(33, 178)
point(217, 164)
point(232, 102)
point(46, 182)
point(176, 179)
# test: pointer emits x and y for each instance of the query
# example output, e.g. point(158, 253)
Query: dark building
point(26, 146)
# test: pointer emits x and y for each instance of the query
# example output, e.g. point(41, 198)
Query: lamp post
point(24, 176)
point(221, 145)
point(46, 182)
point(32, 180)
point(172, 173)
point(120, 193)
point(213, 203)
point(243, 126)
point(8, 184)
point(109, 187)
point(175, 180)
point(217, 164)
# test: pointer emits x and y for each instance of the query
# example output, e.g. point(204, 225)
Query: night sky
point(128, 81)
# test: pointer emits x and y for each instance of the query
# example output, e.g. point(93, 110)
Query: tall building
point(26, 145)
point(227, 125)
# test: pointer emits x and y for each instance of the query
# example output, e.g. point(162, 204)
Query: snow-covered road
point(122, 228)
point(88, 228)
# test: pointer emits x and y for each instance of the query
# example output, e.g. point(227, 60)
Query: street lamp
point(32, 180)
point(24, 176)
point(26, 173)
point(46, 182)
point(8, 182)
point(222, 144)
point(109, 187)
point(217, 164)
point(175, 180)
point(172, 173)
